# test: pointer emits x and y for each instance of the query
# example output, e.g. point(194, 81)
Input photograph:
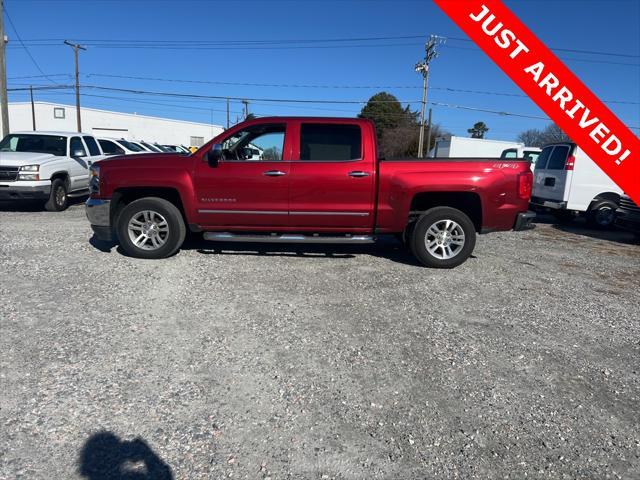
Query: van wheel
point(150, 228)
point(443, 237)
point(602, 214)
point(58, 200)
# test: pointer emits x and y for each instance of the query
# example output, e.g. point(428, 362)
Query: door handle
point(358, 174)
point(274, 173)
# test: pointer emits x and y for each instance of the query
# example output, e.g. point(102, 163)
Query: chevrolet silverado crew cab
point(315, 180)
point(47, 166)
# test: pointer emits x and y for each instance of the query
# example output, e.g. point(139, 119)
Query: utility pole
point(246, 108)
point(423, 68)
point(227, 113)
point(3, 75)
point(33, 108)
point(429, 132)
point(77, 47)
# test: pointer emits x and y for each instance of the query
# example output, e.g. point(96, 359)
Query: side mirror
point(79, 152)
point(214, 155)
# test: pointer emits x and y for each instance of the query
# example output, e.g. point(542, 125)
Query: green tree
point(386, 112)
point(478, 130)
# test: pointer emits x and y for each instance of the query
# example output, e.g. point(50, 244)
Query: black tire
point(172, 234)
point(602, 214)
point(58, 199)
point(461, 251)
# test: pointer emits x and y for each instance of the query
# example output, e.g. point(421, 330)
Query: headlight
point(29, 173)
point(94, 179)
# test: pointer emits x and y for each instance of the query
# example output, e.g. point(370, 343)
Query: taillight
point(571, 161)
point(525, 183)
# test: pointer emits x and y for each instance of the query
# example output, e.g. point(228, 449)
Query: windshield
point(18, 142)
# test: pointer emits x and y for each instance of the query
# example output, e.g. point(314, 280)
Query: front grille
point(8, 174)
point(627, 204)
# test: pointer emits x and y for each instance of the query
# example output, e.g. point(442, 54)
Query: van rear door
point(552, 175)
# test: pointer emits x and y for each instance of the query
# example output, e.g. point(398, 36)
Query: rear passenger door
point(79, 164)
point(332, 178)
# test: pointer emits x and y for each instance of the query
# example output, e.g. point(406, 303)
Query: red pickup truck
point(313, 180)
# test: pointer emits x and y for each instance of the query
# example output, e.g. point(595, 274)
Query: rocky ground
point(295, 362)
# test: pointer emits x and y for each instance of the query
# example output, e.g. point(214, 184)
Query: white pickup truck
point(47, 166)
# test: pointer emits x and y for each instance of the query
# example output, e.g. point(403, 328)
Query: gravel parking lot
point(283, 362)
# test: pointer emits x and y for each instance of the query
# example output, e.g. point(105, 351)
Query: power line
point(289, 85)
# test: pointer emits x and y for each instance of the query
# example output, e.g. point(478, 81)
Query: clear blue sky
point(606, 26)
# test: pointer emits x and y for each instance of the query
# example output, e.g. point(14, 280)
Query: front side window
point(92, 146)
point(131, 146)
point(330, 142)
point(51, 144)
point(258, 143)
point(75, 144)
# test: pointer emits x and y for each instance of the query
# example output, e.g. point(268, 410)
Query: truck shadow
point(105, 457)
point(386, 247)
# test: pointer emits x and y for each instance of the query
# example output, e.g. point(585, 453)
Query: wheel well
point(467, 202)
point(124, 196)
point(614, 197)
point(61, 175)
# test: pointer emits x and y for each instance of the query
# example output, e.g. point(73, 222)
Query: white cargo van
point(568, 183)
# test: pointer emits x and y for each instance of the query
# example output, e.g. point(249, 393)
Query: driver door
point(249, 186)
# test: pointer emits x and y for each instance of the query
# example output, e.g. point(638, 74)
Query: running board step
point(286, 238)
point(79, 193)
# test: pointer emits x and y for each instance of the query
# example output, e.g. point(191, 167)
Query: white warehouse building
point(103, 123)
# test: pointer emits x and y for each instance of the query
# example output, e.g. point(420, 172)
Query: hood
point(18, 159)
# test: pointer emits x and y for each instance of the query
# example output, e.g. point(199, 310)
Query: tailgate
point(551, 179)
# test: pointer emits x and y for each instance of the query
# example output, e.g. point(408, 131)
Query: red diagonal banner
point(552, 86)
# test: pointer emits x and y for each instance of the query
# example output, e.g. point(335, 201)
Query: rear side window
point(330, 142)
point(92, 146)
point(509, 153)
point(544, 156)
point(531, 156)
point(558, 158)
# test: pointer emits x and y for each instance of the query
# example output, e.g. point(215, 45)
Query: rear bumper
point(22, 192)
point(553, 204)
point(99, 215)
point(524, 220)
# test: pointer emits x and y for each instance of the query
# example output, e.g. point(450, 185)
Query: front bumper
point(99, 215)
point(524, 220)
point(14, 191)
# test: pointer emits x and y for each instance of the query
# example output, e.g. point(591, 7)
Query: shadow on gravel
point(101, 245)
point(105, 457)
point(579, 226)
point(32, 205)
point(388, 248)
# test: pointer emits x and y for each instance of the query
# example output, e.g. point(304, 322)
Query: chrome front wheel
point(148, 230)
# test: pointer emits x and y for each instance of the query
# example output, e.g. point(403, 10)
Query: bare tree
point(539, 138)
